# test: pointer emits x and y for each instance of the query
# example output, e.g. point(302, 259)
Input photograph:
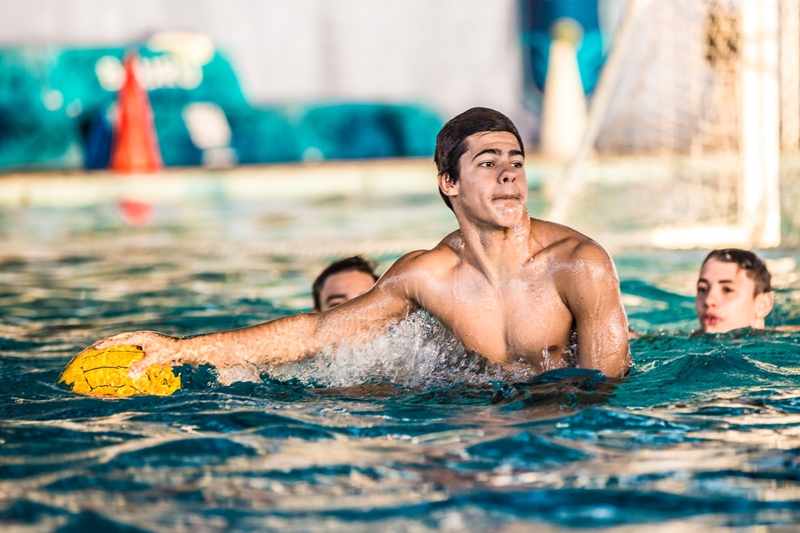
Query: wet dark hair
point(753, 266)
point(451, 142)
point(357, 263)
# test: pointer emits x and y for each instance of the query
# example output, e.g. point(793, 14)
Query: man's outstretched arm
point(592, 293)
point(283, 340)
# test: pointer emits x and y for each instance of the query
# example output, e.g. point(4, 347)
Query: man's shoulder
point(582, 270)
point(442, 256)
point(438, 260)
point(565, 245)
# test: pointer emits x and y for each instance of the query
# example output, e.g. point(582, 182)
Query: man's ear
point(446, 185)
point(764, 304)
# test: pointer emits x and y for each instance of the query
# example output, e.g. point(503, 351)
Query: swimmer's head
point(451, 142)
point(342, 281)
point(733, 291)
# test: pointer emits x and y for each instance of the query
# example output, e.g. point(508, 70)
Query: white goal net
point(697, 103)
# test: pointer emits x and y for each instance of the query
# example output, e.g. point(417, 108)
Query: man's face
point(492, 188)
point(343, 286)
point(725, 299)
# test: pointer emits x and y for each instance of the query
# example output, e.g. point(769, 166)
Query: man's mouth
point(507, 197)
point(710, 320)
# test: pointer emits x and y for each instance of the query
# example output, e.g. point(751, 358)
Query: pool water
point(405, 434)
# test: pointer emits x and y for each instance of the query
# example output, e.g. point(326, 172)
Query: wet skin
point(726, 299)
point(508, 286)
point(342, 287)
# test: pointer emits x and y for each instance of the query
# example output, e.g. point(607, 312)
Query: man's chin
point(712, 325)
point(721, 328)
point(499, 219)
point(511, 217)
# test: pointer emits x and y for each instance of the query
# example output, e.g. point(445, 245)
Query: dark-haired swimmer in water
point(342, 281)
point(510, 287)
point(734, 291)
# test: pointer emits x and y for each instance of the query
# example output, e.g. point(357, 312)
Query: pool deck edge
point(311, 180)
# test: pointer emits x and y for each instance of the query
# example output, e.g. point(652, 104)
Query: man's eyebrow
point(495, 151)
point(704, 280)
point(334, 297)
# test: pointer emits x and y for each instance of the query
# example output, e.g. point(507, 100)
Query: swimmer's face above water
point(726, 298)
point(491, 188)
point(343, 286)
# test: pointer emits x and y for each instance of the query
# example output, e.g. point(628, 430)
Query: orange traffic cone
point(135, 145)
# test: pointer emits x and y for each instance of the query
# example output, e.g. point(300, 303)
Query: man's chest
point(524, 319)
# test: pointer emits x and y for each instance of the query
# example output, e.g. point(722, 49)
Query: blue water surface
point(703, 435)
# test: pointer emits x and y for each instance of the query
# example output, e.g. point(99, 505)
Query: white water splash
point(419, 351)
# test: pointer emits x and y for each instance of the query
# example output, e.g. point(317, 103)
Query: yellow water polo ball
point(105, 373)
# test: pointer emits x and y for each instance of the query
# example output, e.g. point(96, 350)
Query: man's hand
point(159, 349)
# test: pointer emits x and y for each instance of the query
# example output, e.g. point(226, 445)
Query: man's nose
point(711, 298)
point(507, 175)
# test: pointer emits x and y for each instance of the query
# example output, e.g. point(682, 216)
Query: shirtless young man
point(509, 287)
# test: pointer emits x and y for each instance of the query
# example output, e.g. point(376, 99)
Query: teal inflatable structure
point(57, 109)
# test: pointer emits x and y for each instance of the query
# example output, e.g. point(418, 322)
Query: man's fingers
point(137, 369)
point(140, 367)
point(155, 346)
point(132, 338)
point(113, 340)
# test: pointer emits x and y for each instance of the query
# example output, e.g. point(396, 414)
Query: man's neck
point(497, 251)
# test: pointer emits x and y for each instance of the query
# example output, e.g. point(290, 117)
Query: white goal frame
point(763, 50)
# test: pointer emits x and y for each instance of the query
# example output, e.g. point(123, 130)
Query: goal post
point(790, 74)
point(693, 103)
point(759, 196)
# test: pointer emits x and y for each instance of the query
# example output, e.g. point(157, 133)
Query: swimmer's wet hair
point(356, 263)
point(754, 266)
point(451, 142)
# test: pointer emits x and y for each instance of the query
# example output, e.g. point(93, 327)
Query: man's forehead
point(347, 277)
point(482, 138)
point(723, 271)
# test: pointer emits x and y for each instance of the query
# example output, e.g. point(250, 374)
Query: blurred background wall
point(450, 54)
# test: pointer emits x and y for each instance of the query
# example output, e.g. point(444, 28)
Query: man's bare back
point(509, 287)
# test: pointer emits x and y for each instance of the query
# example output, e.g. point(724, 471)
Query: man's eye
point(727, 290)
point(517, 164)
point(701, 290)
point(487, 164)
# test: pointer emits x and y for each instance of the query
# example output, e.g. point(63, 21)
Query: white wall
point(452, 54)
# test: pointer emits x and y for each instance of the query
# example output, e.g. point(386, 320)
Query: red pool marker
point(135, 212)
